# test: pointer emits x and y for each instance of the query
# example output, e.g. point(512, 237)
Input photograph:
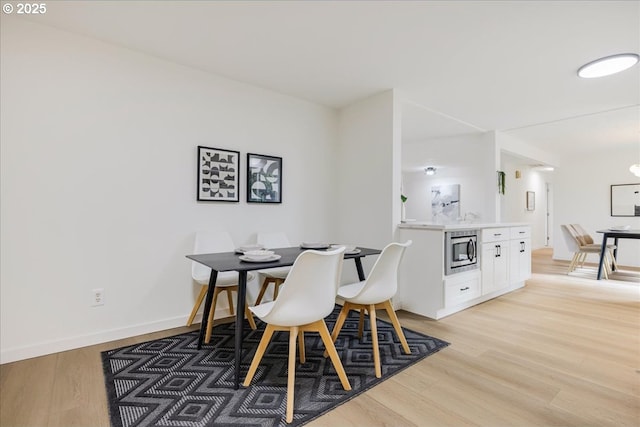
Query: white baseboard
point(8, 355)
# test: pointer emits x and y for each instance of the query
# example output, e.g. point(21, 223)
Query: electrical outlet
point(98, 297)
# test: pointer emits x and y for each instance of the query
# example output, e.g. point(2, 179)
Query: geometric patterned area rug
point(168, 382)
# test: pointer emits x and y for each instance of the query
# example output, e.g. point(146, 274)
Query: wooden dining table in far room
point(614, 234)
point(230, 261)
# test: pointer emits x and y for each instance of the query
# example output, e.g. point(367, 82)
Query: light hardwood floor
point(563, 351)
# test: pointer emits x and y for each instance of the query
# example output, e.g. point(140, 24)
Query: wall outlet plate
point(98, 297)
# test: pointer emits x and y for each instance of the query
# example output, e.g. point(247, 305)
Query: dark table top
point(230, 261)
point(629, 234)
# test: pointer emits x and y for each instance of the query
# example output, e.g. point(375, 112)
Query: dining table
point(613, 234)
point(230, 261)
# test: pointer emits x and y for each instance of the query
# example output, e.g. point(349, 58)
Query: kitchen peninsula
point(451, 267)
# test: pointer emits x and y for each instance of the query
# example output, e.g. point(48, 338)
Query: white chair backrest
point(569, 238)
point(581, 234)
point(309, 293)
point(274, 240)
point(382, 283)
point(209, 242)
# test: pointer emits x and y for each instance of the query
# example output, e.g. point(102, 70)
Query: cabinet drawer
point(520, 232)
point(495, 234)
point(458, 291)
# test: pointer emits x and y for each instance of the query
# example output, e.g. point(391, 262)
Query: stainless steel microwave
point(461, 251)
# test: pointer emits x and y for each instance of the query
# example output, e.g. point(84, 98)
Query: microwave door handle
point(471, 250)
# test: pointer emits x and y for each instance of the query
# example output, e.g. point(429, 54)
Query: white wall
point(467, 160)
point(513, 202)
point(368, 193)
point(582, 195)
point(98, 183)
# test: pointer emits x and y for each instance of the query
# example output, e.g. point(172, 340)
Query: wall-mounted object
point(518, 174)
point(501, 179)
point(264, 178)
point(635, 169)
point(531, 201)
point(625, 200)
point(445, 203)
point(218, 175)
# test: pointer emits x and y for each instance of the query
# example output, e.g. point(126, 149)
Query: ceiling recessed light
point(608, 65)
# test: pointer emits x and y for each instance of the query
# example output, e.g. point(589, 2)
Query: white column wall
point(98, 152)
point(368, 193)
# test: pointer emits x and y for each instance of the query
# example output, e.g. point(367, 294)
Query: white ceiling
point(463, 66)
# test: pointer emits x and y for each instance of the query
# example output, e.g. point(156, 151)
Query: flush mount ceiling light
point(430, 170)
point(608, 65)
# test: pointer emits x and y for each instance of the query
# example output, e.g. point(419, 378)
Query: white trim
point(71, 343)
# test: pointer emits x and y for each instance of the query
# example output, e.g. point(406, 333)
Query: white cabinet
point(520, 254)
point(461, 287)
point(494, 260)
point(425, 289)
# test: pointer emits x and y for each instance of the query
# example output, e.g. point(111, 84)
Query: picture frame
point(625, 200)
point(531, 200)
point(218, 175)
point(264, 178)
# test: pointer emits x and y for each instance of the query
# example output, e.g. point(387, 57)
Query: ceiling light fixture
point(430, 170)
point(608, 65)
point(635, 169)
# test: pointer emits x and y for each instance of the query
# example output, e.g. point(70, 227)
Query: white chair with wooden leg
point(580, 250)
point(277, 276)
point(585, 240)
point(302, 305)
point(213, 242)
point(375, 293)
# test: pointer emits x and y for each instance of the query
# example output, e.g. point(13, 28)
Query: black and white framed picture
point(218, 175)
point(264, 179)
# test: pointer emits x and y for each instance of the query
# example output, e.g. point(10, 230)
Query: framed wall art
point(531, 201)
point(625, 200)
point(264, 179)
point(218, 175)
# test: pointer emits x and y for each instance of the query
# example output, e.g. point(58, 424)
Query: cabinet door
point(495, 266)
point(520, 260)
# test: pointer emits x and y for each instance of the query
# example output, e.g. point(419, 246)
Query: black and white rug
point(168, 382)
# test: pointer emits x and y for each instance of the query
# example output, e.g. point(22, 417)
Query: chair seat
point(225, 278)
point(351, 290)
point(277, 273)
point(263, 309)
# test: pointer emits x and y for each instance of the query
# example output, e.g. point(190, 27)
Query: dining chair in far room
point(302, 305)
point(375, 293)
point(277, 276)
point(208, 242)
point(585, 239)
point(580, 252)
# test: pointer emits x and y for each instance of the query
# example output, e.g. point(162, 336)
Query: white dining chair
point(581, 250)
point(585, 240)
point(277, 276)
point(207, 242)
point(304, 302)
point(375, 293)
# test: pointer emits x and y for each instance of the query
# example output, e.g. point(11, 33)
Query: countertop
point(459, 225)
